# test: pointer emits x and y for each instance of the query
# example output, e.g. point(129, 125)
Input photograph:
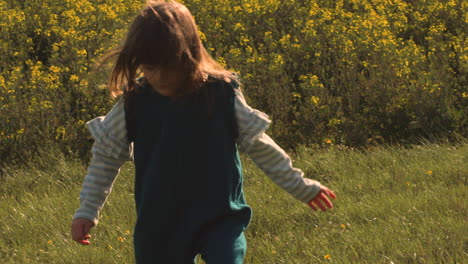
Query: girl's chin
point(165, 91)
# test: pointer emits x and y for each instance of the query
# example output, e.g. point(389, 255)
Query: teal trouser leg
point(224, 247)
point(153, 251)
point(159, 257)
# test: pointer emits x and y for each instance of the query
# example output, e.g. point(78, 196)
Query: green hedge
point(344, 72)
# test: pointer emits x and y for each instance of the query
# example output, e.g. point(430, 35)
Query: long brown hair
point(163, 34)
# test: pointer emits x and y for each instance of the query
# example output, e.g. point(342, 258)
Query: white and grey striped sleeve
point(267, 155)
point(110, 151)
point(250, 122)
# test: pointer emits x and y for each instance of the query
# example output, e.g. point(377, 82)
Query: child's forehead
point(152, 51)
point(149, 66)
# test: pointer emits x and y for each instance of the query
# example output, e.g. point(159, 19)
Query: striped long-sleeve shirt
point(112, 149)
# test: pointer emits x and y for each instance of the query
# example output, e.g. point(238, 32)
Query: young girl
point(182, 124)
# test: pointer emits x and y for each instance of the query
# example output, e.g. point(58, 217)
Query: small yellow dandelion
point(328, 141)
point(343, 226)
point(121, 239)
point(429, 172)
point(127, 232)
point(273, 252)
point(49, 242)
point(327, 256)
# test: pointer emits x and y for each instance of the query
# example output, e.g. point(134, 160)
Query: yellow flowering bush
point(47, 85)
point(346, 71)
point(356, 71)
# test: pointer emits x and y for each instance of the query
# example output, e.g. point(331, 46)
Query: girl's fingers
point(84, 242)
point(80, 231)
point(331, 194)
point(321, 201)
point(320, 205)
point(311, 205)
point(327, 201)
point(328, 192)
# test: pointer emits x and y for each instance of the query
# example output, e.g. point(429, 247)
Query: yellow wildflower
point(327, 256)
point(238, 26)
point(429, 172)
point(82, 52)
point(295, 95)
point(84, 83)
point(278, 59)
point(121, 239)
point(74, 78)
point(54, 69)
point(315, 100)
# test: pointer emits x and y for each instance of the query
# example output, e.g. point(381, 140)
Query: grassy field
point(395, 205)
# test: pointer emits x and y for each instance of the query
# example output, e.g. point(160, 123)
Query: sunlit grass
point(394, 205)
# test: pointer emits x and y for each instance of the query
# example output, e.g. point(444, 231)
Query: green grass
point(390, 209)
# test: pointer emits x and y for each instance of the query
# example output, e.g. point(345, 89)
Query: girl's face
point(163, 81)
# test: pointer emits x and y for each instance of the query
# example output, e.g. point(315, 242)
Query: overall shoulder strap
point(230, 96)
point(130, 98)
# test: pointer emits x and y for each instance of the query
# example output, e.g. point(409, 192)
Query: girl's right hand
point(80, 230)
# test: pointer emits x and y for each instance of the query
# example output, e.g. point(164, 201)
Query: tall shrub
point(351, 72)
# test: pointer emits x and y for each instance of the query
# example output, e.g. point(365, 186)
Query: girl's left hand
point(321, 200)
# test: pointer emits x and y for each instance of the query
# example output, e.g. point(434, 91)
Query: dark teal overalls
point(188, 186)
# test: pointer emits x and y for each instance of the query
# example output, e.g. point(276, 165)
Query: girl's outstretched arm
point(273, 160)
point(110, 151)
point(277, 165)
